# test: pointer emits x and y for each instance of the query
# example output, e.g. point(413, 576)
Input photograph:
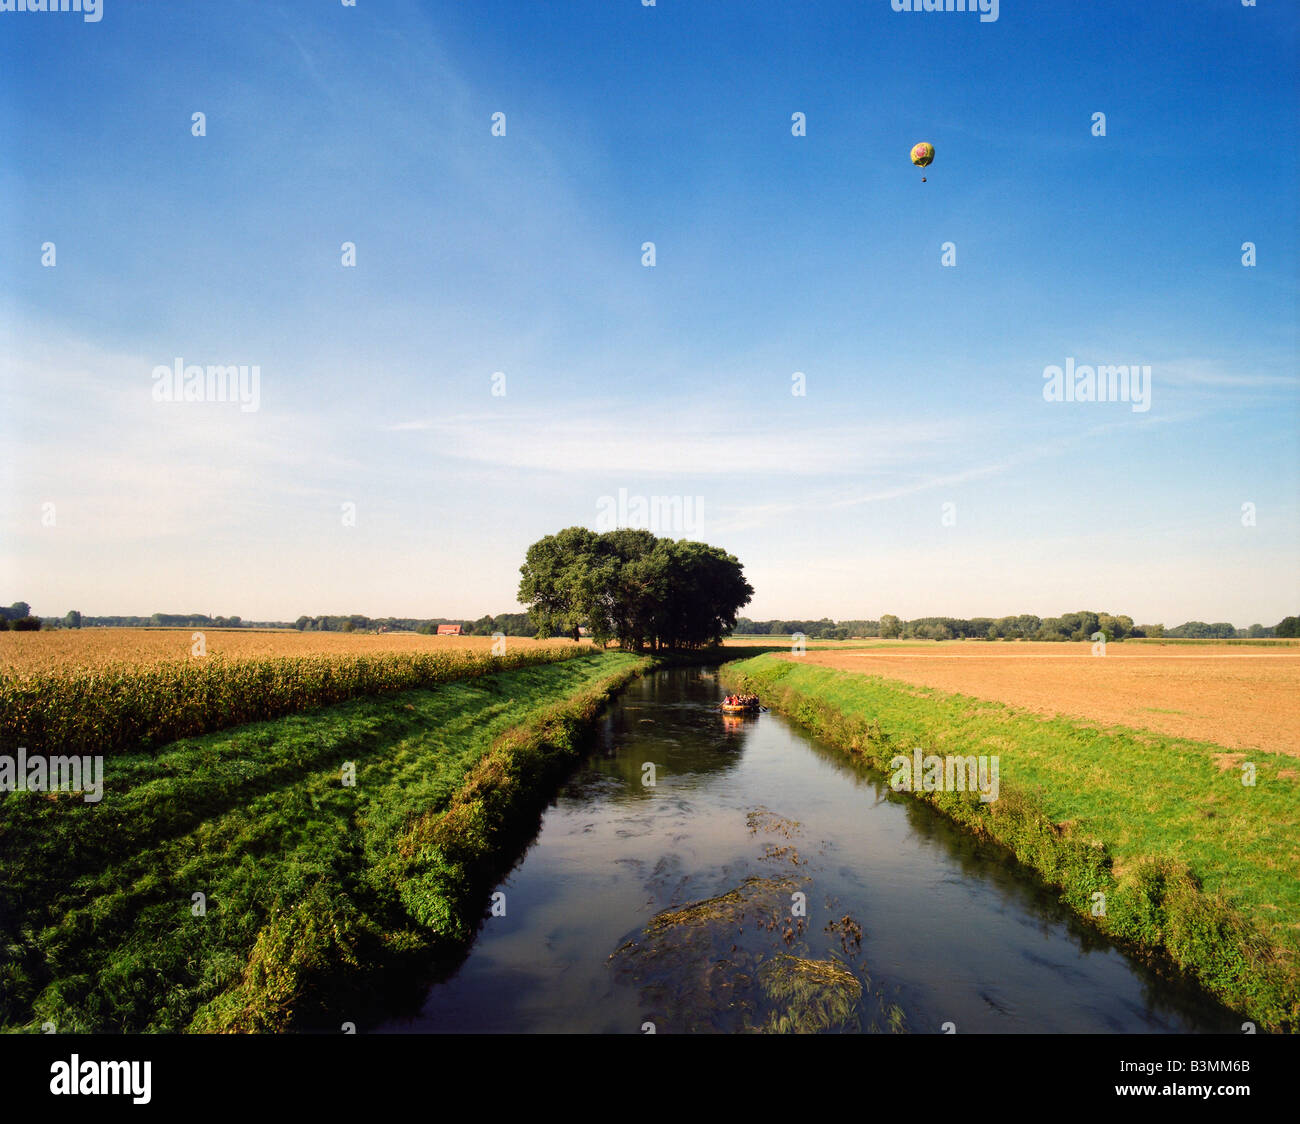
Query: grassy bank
point(313, 888)
point(120, 709)
point(1196, 867)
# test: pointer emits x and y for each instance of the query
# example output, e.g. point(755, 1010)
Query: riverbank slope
point(262, 878)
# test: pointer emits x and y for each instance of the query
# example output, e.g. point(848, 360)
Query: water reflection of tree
point(669, 719)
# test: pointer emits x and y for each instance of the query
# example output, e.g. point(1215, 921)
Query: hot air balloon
point(922, 155)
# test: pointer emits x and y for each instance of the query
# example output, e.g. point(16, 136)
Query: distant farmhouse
point(449, 630)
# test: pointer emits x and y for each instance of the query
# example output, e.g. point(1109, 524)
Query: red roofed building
point(449, 630)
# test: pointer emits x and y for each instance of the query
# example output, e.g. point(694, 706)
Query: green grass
point(312, 887)
point(1196, 867)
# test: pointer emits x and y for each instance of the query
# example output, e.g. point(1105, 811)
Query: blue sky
point(775, 254)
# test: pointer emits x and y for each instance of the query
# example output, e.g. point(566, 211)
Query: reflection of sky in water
point(951, 933)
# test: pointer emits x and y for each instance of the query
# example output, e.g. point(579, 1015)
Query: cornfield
point(90, 648)
point(129, 707)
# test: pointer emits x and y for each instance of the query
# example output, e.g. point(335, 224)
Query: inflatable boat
point(739, 708)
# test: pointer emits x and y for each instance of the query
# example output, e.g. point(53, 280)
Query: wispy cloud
point(1211, 373)
point(690, 439)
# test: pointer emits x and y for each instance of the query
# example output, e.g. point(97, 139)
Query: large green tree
point(557, 581)
point(630, 586)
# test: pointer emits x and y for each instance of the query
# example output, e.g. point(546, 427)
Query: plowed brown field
point(1235, 696)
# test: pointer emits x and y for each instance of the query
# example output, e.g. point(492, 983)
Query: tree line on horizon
point(1083, 625)
point(508, 624)
point(1069, 626)
point(19, 618)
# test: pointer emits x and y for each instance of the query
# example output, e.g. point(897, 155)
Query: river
point(905, 923)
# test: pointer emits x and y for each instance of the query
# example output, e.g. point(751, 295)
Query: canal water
point(764, 881)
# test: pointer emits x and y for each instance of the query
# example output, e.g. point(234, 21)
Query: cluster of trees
point(631, 586)
point(509, 624)
point(1199, 630)
point(19, 618)
point(1083, 625)
point(189, 620)
point(357, 622)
